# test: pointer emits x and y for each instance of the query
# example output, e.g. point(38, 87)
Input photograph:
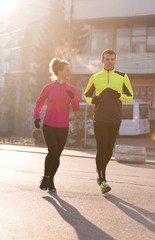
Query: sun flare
point(6, 6)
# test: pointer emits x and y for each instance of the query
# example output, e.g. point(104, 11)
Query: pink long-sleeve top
point(58, 102)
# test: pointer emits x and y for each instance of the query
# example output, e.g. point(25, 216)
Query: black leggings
point(55, 139)
point(105, 134)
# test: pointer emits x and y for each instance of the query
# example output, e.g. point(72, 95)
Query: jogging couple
point(106, 90)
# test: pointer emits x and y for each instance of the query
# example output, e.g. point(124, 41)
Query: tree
point(55, 42)
point(15, 90)
point(52, 43)
point(37, 44)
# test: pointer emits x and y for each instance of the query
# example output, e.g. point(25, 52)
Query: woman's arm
point(40, 102)
point(75, 101)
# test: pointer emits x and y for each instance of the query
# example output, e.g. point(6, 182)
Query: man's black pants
point(105, 134)
point(55, 139)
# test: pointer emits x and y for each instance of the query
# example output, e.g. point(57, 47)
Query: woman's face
point(65, 73)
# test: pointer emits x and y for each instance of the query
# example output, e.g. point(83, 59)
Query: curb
point(76, 156)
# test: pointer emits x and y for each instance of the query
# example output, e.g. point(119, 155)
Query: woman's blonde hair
point(57, 64)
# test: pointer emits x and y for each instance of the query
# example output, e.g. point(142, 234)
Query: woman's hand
point(37, 123)
point(70, 94)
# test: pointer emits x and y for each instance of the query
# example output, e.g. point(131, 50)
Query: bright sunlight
point(6, 6)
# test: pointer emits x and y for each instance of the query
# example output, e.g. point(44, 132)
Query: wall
point(112, 8)
point(129, 63)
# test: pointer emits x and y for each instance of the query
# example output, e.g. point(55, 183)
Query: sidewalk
point(66, 152)
point(137, 141)
point(144, 141)
point(147, 142)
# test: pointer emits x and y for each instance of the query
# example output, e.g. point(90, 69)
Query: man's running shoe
point(44, 183)
point(105, 187)
point(51, 186)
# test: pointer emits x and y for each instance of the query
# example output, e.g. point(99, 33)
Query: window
point(123, 40)
point(138, 39)
point(127, 111)
point(130, 39)
point(135, 39)
point(143, 109)
point(151, 39)
point(86, 46)
point(101, 39)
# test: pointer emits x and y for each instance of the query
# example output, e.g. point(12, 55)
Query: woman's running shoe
point(51, 186)
point(105, 187)
point(44, 183)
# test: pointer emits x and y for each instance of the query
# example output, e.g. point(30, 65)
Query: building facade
point(25, 22)
point(128, 27)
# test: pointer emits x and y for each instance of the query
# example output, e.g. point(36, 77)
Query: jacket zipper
point(108, 77)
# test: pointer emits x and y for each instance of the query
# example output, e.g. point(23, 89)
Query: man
point(111, 88)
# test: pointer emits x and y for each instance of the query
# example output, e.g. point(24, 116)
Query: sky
point(6, 6)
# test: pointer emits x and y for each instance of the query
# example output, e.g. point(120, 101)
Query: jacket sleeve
point(40, 102)
point(89, 90)
point(127, 95)
point(75, 101)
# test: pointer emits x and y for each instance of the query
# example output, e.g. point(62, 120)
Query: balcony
point(98, 9)
point(141, 63)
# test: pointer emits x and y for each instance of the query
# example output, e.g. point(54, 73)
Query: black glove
point(95, 100)
point(36, 123)
point(70, 94)
point(115, 94)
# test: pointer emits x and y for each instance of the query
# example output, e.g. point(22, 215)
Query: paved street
point(78, 211)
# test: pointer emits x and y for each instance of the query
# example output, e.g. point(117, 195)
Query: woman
point(60, 95)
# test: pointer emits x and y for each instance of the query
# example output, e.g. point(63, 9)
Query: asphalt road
point(78, 211)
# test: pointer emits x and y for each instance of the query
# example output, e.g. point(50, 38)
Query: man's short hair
point(109, 51)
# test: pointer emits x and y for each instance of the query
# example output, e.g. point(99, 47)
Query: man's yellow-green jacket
point(108, 89)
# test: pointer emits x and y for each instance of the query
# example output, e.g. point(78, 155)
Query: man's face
point(109, 61)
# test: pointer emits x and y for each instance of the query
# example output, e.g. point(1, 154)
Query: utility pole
point(70, 32)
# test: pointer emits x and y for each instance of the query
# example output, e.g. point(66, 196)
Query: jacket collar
point(105, 71)
point(60, 84)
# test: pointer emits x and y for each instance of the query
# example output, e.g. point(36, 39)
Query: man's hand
point(70, 94)
point(95, 100)
point(37, 123)
point(116, 94)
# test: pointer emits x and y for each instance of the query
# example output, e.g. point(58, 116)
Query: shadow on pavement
point(84, 228)
point(142, 216)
